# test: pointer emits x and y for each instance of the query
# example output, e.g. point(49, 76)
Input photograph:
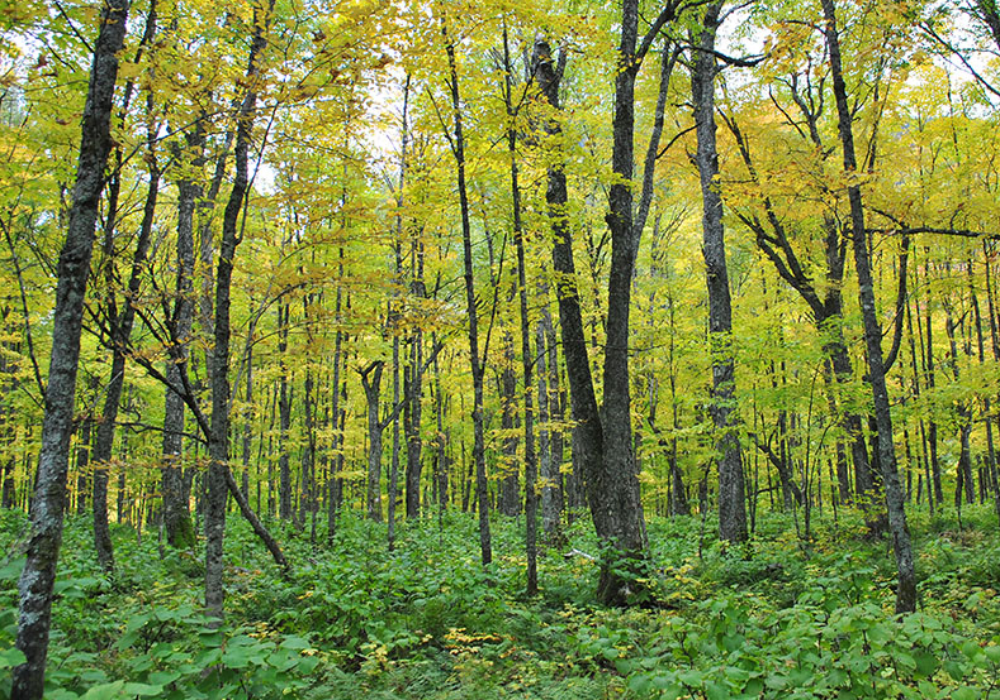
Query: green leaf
point(9, 658)
point(926, 663)
point(717, 691)
point(105, 691)
point(143, 689)
point(690, 677)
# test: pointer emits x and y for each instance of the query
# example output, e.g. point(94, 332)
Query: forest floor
point(778, 619)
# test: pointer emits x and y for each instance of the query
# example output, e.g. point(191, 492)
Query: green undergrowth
point(776, 618)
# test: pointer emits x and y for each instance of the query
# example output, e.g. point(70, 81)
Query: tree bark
point(906, 584)
point(371, 380)
point(732, 504)
point(478, 447)
point(38, 575)
point(218, 441)
point(176, 509)
point(284, 418)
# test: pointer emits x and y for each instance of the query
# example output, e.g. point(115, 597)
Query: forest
point(545, 350)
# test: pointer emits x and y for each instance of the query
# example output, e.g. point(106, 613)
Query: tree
point(603, 441)
point(457, 142)
point(38, 576)
point(732, 506)
point(219, 477)
point(906, 591)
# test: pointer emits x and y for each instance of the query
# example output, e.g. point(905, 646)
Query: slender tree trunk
point(906, 585)
point(248, 425)
point(965, 479)
point(510, 484)
point(394, 463)
point(371, 379)
point(932, 427)
point(527, 357)
point(83, 452)
point(587, 433)
point(478, 448)
point(176, 508)
point(48, 505)
point(991, 456)
point(732, 504)
point(218, 442)
point(284, 418)
point(337, 448)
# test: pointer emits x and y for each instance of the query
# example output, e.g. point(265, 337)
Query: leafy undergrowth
point(775, 619)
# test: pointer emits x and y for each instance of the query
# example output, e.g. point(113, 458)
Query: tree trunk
point(218, 441)
point(478, 447)
point(371, 380)
point(510, 487)
point(527, 358)
point(176, 509)
point(732, 504)
point(284, 418)
point(38, 575)
point(337, 448)
point(906, 585)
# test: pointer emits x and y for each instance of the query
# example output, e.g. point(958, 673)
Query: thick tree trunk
point(732, 504)
point(906, 584)
point(38, 575)
point(614, 492)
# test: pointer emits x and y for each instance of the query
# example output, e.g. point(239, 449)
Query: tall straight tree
point(218, 439)
point(457, 141)
point(176, 511)
point(48, 505)
point(603, 441)
point(119, 323)
point(732, 507)
point(906, 585)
